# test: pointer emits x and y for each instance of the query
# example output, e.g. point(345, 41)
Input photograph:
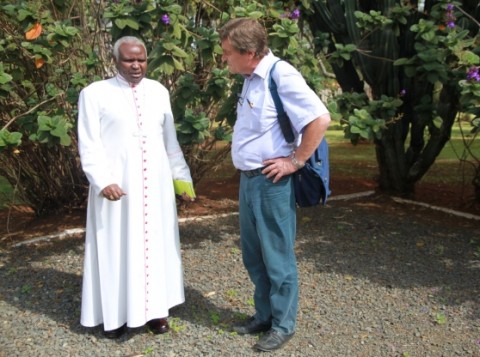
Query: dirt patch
point(220, 196)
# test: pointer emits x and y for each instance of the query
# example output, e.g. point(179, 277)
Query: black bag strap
point(281, 114)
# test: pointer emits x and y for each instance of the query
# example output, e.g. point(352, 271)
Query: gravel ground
point(378, 278)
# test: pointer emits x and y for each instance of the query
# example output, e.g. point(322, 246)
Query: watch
point(296, 163)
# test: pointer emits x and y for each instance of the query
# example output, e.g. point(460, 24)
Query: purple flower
point(473, 74)
point(295, 14)
point(403, 92)
point(115, 1)
point(450, 17)
point(165, 19)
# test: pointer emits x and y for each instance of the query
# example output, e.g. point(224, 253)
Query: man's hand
point(311, 138)
point(113, 192)
point(185, 198)
point(279, 167)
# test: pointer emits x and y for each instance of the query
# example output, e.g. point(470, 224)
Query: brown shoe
point(158, 326)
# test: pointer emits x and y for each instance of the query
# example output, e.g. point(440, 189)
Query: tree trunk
point(400, 163)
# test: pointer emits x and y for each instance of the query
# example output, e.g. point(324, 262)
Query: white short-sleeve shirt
point(257, 135)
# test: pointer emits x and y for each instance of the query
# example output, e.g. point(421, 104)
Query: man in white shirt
point(266, 162)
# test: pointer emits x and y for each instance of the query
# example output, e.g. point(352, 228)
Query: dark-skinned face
point(132, 62)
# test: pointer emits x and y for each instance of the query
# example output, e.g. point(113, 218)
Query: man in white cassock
point(130, 154)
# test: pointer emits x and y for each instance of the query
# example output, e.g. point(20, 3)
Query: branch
point(468, 15)
point(365, 53)
point(29, 111)
point(212, 6)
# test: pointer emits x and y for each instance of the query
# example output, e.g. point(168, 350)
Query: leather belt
point(252, 173)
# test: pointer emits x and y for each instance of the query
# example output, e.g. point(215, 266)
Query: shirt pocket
point(261, 111)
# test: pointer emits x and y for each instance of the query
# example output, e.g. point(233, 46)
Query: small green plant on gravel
point(476, 247)
point(176, 326)
point(232, 293)
point(235, 251)
point(26, 289)
point(477, 252)
point(240, 316)
point(148, 351)
point(440, 318)
point(215, 317)
point(439, 249)
point(250, 302)
point(406, 354)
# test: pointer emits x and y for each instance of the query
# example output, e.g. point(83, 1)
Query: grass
point(360, 161)
point(350, 160)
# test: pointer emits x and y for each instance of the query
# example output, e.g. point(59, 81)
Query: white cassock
point(132, 269)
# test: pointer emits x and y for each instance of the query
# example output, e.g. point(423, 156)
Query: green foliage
point(43, 67)
point(343, 53)
point(369, 122)
point(52, 130)
point(412, 65)
point(403, 70)
point(362, 124)
point(9, 139)
point(51, 50)
point(185, 55)
point(372, 20)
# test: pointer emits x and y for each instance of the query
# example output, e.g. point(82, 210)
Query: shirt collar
point(122, 80)
point(263, 67)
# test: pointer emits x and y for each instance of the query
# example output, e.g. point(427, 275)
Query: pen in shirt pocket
point(249, 103)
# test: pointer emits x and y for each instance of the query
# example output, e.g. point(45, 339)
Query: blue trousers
point(267, 234)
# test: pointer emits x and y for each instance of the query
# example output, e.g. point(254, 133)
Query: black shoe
point(115, 333)
point(158, 326)
point(252, 325)
point(272, 340)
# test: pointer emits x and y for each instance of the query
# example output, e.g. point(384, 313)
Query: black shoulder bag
point(311, 183)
